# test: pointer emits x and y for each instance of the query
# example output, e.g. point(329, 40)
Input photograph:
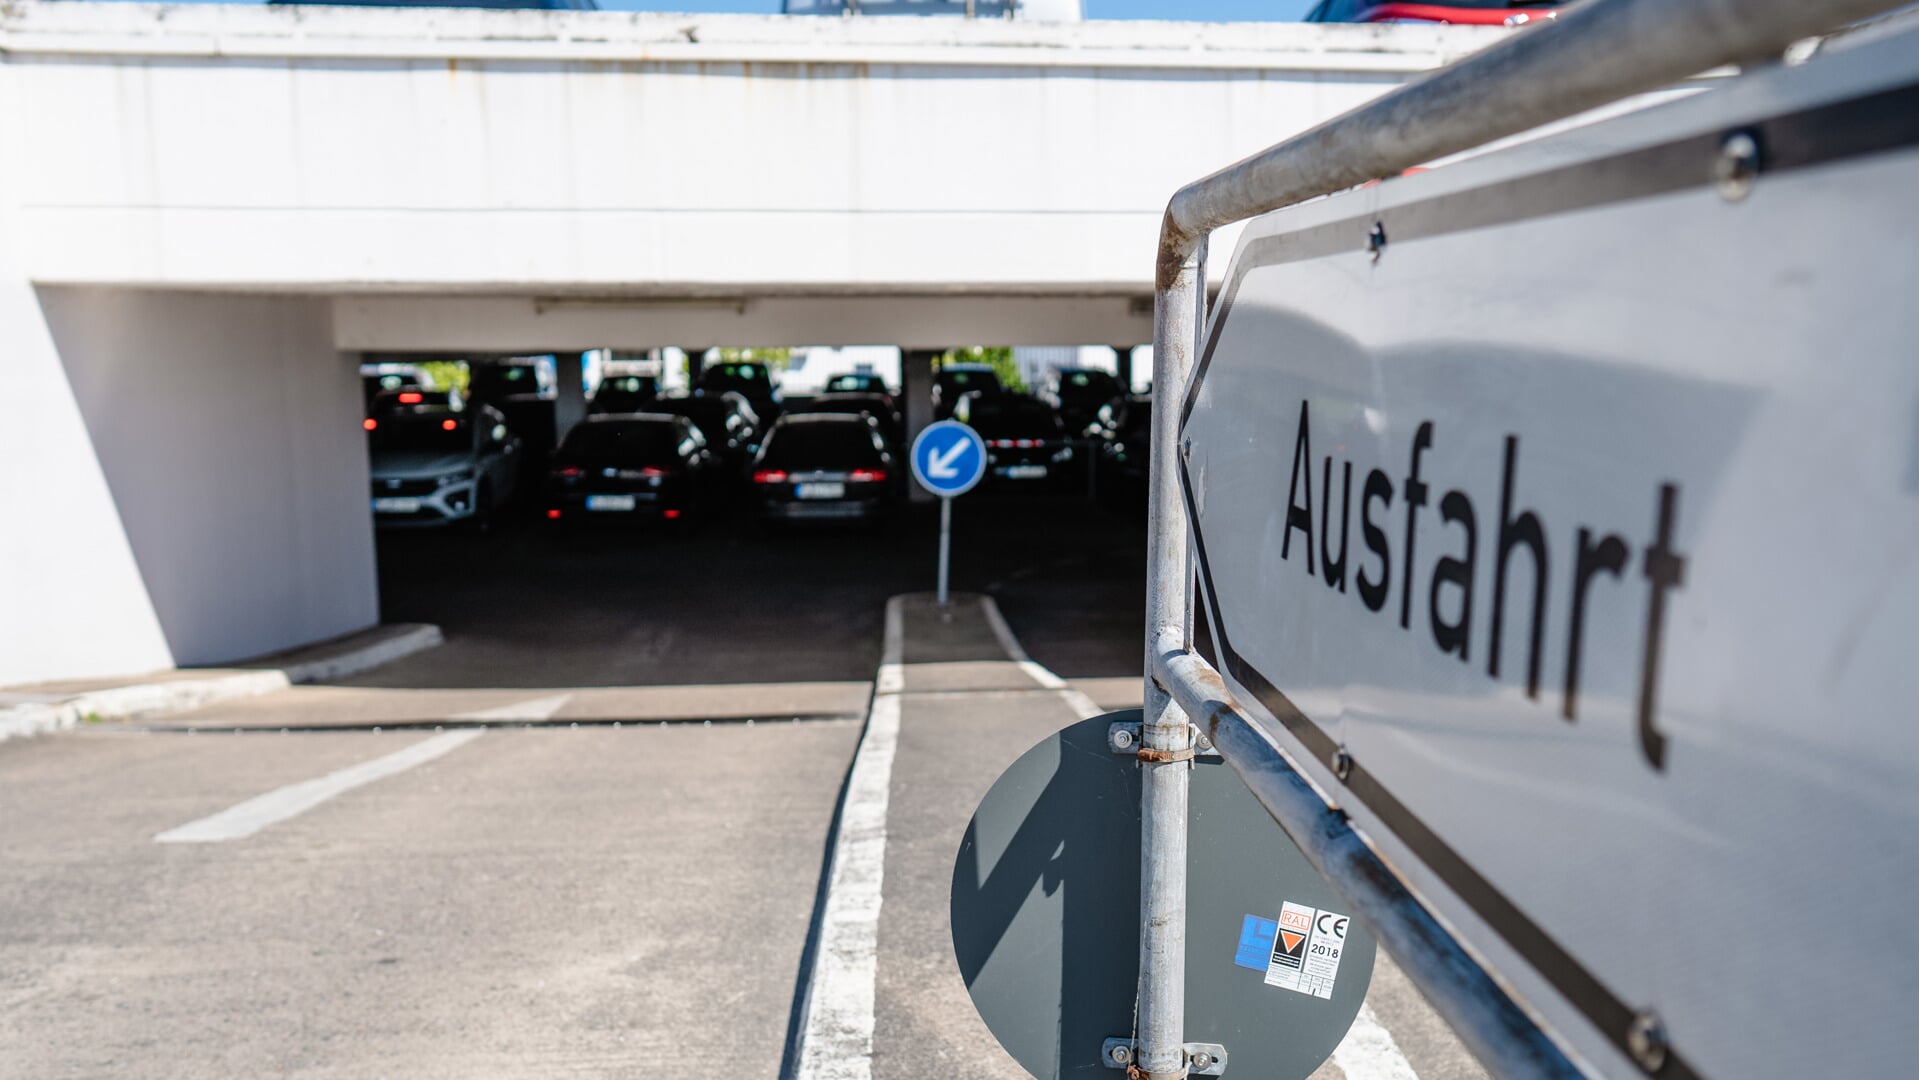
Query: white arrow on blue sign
point(948, 458)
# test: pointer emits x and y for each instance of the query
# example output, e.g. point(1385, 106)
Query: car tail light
point(449, 425)
point(868, 476)
point(411, 399)
point(672, 515)
point(568, 473)
point(654, 472)
point(553, 514)
point(369, 423)
point(769, 476)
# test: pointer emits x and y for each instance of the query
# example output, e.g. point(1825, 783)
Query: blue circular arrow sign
point(948, 458)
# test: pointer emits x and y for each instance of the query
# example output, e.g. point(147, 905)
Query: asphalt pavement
point(592, 834)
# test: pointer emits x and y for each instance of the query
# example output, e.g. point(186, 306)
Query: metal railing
point(1596, 53)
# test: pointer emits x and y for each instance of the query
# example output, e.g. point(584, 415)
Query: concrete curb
point(321, 663)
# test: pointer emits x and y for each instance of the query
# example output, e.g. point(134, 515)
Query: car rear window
point(845, 403)
point(1087, 380)
point(391, 382)
point(497, 379)
point(428, 433)
point(970, 380)
point(707, 414)
point(1013, 419)
point(618, 401)
point(837, 445)
point(626, 384)
point(632, 440)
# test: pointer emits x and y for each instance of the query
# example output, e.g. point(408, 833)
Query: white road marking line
point(536, 709)
point(1368, 1051)
point(892, 676)
point(836, 1033)
point(1083, 707)
point(245, 819)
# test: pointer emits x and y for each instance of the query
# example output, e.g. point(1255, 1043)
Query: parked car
point(825, 466)
point(491, 380)
point(954, 381)
point(626, 466)
point(731, 426)
point(437, 465)
point(522, 389)
point(625, 394)
point(1077, 393)
point(1026, 445)
point(878, 406)
point(378, 378)
point(1469, 12)
point(752, 381)
point(857, 383)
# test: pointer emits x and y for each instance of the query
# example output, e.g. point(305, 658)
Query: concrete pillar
point(695, 364)
point(916, 393)
point(198, 473)
point(569, 393)
point(1123, 365)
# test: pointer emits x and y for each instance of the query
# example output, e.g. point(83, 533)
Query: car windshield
point(441, 433)
point(634, 440)
point(842, 444)
point(855, 383)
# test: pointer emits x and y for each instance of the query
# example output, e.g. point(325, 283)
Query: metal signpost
point(948, 459)
point(1553, 514)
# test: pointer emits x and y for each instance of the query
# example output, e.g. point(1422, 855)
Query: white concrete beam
point(508, 323)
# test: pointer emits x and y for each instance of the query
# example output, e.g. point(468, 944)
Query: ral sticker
point(1305, 956)
point(1256, 937)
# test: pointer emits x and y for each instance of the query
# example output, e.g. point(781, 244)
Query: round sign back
point(1045, 913)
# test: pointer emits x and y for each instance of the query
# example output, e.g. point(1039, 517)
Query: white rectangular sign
point(1585, 520)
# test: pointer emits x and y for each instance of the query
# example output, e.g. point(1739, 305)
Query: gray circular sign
point(1045, 913)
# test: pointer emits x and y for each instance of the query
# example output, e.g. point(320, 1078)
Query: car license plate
point(820, 491)
point(1026, 472)
point(610, 502)
point(396, 506)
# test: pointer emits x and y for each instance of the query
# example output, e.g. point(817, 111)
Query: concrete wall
point(72, 601)
point(566, 153)
point(226, 430)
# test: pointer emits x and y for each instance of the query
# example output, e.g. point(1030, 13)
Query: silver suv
point(440, 463)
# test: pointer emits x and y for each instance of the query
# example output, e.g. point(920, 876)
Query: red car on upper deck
point(1464, 12)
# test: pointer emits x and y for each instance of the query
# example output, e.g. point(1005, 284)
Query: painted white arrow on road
point(940, 466)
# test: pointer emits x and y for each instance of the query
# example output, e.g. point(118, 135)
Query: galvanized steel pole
point(946, 543)
point(1166, 743)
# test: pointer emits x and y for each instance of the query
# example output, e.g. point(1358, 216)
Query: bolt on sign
point(1567, 532)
